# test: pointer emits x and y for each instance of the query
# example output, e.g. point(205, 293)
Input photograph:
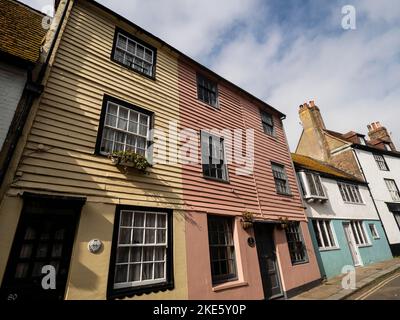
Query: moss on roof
point(322, 167)
point(21, 31)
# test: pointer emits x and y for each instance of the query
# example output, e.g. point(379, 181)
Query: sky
point(289, 52)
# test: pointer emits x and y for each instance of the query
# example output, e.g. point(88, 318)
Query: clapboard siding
point(255, 192)
point(67, 120)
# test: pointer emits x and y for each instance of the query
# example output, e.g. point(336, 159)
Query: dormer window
point(312, 186)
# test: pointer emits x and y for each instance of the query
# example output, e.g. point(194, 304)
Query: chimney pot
point(312, 104)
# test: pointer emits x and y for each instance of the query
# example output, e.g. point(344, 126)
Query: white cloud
point(289, 55)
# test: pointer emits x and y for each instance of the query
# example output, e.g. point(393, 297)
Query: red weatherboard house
point(269, 259)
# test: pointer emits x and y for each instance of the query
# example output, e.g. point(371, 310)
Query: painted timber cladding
point(68, 118)
point(255, 192)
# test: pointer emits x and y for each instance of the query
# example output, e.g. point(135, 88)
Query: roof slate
point(21, 31)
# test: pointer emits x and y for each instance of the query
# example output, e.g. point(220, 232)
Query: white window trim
point(393, 189)
point(132, 284)
point(331, 246)
point(375, 230)
point(125, 50)
point(147, 137)
point(348, 187)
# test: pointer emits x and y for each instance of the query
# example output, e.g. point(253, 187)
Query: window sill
point(216, 179)
point(128, 68)
point(288, 195)
point(230, 285)
point(294, 264)
point(328, 249)
point(215, 108)
point(355, 203)
point(364, 245)
point(271, 136)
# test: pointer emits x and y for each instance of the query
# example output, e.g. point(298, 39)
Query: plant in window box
point(247, 220)
point(130, 159)
point(283, 223)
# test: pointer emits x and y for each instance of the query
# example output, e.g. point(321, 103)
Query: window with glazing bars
point(359, 233)
point(392, 187)
point(207, 91)
point(297, 248)
point(141, 250)
point(350, 193)
point(268, 123)
point(315, 185)
point(222, 249)
point(124, 129)
point(134, 55)
point(380, 161)
point(374, 231)
point(324, 234)
point(213, 157)
point(281, 180)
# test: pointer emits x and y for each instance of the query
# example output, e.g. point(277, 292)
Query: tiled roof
point(319, 166)
point(21, 31)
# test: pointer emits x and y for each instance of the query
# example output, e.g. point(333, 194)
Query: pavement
point(332, 289)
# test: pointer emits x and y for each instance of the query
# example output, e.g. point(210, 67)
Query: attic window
point(134, 54)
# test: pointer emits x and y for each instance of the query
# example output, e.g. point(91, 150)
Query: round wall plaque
point(94, 245)
point(251, 242)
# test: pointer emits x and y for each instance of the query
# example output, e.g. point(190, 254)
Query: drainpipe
point(32, 90)
point(370, 193)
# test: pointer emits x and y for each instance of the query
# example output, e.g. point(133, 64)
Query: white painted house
point(343, 220)
point(374, 160)
point(381, 167)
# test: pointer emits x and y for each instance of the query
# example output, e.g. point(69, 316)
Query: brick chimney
point(313, 142)
point(310, 116)
point(377, 131)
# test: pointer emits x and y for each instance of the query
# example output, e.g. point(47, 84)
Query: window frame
point(289, 191)
point(299, 232)
point(325, 228)
point(205, 78)
point(100, 131)
point(374, 232)
point(230, 221)
point(139, 41)
point(350, 193)
point(360, 234)
point(225, 165)
point(271, 126)
point(168, 284)
point(306, 185)
point(394, 191)
point(381, 162)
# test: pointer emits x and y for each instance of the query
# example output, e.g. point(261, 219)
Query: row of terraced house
point(132, 171)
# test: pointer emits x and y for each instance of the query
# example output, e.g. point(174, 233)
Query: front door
point(44, 237)
point(267, 259)
point(352, 244)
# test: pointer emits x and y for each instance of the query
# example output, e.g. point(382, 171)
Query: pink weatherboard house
point(246, 230)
